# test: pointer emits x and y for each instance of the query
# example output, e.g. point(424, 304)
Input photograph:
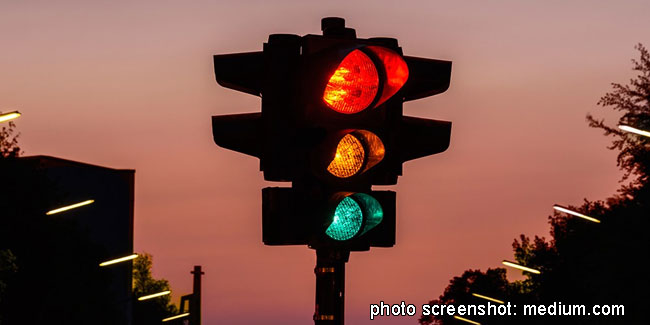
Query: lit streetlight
point(577, 214)
point(634, 130)
point(175, 317)
point(9, 116)
point(154, 295)
point(521, 267)
point(467, 320)
point(119, 260)
point(69, 207)
point(488, 298)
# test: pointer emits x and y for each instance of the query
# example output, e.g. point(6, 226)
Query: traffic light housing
point(290, 219)
point(332, 124)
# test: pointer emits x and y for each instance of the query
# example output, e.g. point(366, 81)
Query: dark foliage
point(584, 262)
point(150, 311)
point(633, 101)
point(9, 142)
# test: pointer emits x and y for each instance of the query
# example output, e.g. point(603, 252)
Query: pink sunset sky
point(130, 84)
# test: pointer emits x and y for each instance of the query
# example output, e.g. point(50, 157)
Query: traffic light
point(332, 124)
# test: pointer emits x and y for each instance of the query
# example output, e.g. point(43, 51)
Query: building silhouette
point(59, 280)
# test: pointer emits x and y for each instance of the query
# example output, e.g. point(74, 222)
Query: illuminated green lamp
point(354, 215)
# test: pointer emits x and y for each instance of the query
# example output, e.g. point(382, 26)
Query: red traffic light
point(354, 85)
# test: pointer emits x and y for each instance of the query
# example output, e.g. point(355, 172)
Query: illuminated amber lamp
point(355, 153)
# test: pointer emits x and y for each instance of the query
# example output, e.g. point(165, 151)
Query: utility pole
point(195, 303)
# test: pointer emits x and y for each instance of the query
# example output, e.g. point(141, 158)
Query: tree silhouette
point(492, 283)
point(8, 149)
point(150, 311)
point(584, 262)
point(634, 101)
point(7, 269)
point(8, 141)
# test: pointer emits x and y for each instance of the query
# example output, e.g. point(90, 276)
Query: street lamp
point(467, 320)
point(175, 317)
point(634, 130)
point(154, 295)
point(577, 214)
point(69, 207)
point(9, 116)
point(488, 298)
point(119, 260)
point(521, 267)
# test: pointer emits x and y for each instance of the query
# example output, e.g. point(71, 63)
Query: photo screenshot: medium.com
point(495, 309)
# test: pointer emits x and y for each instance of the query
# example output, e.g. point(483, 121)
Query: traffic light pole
point(330, 286)
point(332, 124)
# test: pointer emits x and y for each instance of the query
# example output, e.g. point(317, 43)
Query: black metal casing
point(295, 133)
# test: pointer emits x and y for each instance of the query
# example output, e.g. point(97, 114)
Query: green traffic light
point(347, 220)
point(354, 215)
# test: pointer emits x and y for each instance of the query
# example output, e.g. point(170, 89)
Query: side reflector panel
point(353, 86)
point(372, 212)
point(373, 146)
point(397, 72)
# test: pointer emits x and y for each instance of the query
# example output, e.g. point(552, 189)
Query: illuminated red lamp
point(354, 85)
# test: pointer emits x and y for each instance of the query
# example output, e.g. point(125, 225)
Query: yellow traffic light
point(355, 153)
